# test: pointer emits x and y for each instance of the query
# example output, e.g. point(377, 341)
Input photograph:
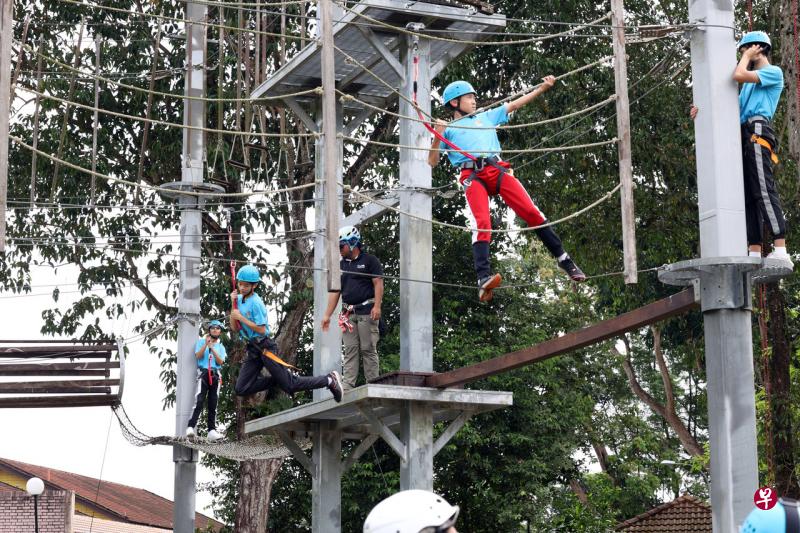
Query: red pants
point(511, 191)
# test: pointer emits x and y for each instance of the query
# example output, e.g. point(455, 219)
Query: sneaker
point(213, 436)
point(782, 256)
point(335, 386)
point(572, 270)
point(190, 432)
point(486, 286)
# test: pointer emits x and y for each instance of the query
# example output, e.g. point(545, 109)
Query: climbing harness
point(763, 142)
point(344, 317)
point(477, 164)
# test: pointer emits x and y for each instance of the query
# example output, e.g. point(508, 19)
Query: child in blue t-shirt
point(762, 84)
point(210, 354)
point(249, 316)
point(487, 175)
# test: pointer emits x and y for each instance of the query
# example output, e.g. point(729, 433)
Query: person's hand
point(440, 126)
point(234, 297)
point(375, 314)
point(693, 111)
point(548, 82)
point(236, 315)
point(209, 340)
point(326, 323)
point(752, 51)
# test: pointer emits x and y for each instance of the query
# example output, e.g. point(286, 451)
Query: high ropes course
point(347, 63)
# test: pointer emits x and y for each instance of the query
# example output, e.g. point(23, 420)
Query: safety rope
point(91, 76)
point(435, 222)
point(251, 448)
point(228, 215)
point(796, 56)
point(112, 179)
point(157, 121)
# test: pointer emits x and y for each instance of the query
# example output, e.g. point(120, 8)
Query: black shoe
point(572, 270)
point(335, 386)
point(486, 285)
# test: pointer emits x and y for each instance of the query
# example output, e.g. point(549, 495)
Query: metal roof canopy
point(378, 48)
point(374, 409)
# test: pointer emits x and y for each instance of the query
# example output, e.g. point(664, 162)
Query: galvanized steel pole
point(193, 167)
point(416, 298)
point(726, 293)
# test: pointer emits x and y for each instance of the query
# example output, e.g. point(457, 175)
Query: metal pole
point(95, 120)
point(416, 298)
point(728, 335)
point(326, 484)
point(329, 127)
point(6, 36)
point(189, 301)
point(36, 513)
point(624, 143)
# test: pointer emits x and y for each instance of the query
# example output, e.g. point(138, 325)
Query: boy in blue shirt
point(762, 84)
point(251, 319)
point(487, 175)
point(210, 354)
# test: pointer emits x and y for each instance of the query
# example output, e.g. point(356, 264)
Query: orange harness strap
point(763, 142)
point(278, 360)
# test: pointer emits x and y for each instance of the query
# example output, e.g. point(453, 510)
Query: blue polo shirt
point(203, 361)
point(479, 138)
point(761, 98)
point(253, 309)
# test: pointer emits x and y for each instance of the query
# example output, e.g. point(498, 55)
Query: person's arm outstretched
point(546, 85)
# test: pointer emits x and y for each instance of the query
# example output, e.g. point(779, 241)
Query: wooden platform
point(381, 403)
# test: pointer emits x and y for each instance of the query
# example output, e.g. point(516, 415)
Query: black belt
point(477, 166)
point(758, 118)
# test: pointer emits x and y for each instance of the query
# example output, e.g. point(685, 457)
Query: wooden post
point(331, 156)
point(624, 144)
point(95, 119)
point(36, 107)
point(6, 36)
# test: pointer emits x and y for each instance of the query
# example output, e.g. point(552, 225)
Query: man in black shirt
point(362, 293)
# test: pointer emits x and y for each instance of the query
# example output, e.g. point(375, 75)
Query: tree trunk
point(788, 62)
point(255, 486)
point(783, 443)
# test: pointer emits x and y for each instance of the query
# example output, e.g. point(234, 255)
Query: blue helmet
point(758, 37)
point(248, 273)
point(215, 324)
point(456, 89)
point(349, 235)
point(771, 521)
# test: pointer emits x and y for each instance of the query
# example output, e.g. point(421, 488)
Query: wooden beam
point(50, 387)
point(74, 369)
point(607, 329)
point(60, 401)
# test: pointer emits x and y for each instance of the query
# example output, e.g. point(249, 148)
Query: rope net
point(249, 449)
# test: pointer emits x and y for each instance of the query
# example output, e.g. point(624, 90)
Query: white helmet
point(350, 235)
point(411, 511)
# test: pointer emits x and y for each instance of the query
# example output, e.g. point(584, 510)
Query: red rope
point(233, 269)
point(424, 121)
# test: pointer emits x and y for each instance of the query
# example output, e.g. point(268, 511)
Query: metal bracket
point(724, 282)
point(362, 447)
point(297, 451)
point(182, 454)
point(451, 431)
point(193, 318)
point(383, 430)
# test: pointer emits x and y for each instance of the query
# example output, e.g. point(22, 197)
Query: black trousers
point(251, 381)
point(211, 390)
point(761, 201)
